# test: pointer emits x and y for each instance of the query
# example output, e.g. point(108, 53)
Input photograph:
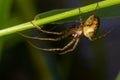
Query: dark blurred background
point(97, 60)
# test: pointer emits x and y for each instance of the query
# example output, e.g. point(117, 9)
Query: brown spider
point(88, 29)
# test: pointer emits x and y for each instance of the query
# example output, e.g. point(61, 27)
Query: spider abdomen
point(91, 26)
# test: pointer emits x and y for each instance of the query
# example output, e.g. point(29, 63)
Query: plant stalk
point(57, 17)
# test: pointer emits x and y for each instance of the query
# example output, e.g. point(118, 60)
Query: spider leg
point(70, 50)
point(53, 49)
point(45, 39)
point(48, 32)
point(93, 39)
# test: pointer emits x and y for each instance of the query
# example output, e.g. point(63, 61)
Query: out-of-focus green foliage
point(118, 76)
point(5, 8)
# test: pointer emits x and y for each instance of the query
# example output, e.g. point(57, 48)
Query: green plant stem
point(57, 17)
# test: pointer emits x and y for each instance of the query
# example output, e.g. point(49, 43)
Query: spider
point(87, 29)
